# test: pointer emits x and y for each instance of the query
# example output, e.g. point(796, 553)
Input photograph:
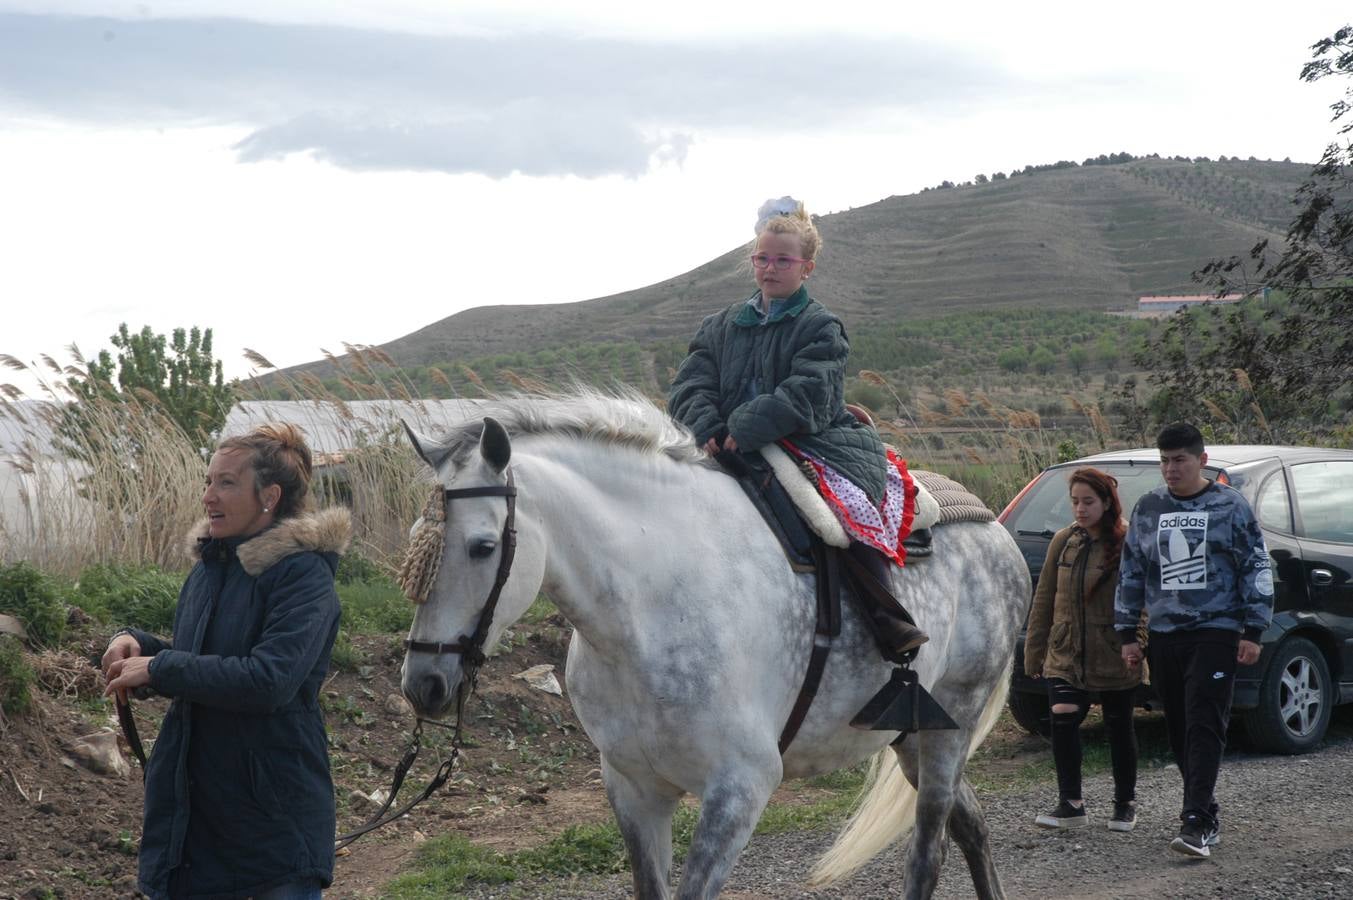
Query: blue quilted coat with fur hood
point(781, 379)
point(238, 792)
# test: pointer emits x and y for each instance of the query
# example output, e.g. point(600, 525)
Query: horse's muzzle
point(429, 689)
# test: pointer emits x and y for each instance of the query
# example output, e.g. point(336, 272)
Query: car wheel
point(1295, 700)
point(1031, 712)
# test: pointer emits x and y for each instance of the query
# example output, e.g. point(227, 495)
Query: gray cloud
point(540, 104)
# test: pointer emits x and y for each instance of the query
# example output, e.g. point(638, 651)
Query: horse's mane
point(624, 418)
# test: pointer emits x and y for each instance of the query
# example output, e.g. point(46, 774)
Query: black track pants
point(1194, 673)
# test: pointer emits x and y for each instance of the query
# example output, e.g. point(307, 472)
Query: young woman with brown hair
point(1072, 645)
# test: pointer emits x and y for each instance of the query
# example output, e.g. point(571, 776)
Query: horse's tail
point(887, 808)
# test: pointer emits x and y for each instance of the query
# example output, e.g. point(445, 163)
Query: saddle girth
point(807, 554)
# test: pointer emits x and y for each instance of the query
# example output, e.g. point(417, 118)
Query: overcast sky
point(295, 177)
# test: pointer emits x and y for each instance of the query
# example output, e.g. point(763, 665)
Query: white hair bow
point(784, 206)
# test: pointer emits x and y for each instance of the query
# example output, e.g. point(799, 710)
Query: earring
point(265, 509)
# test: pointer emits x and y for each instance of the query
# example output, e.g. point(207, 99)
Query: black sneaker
point(1124, 816)
point(1192, 840)
point(1063, 816)
point(1213, 834)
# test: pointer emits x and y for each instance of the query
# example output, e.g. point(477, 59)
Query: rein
point(470, 647)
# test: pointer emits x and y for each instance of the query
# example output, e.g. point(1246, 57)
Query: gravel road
point(1287, 832)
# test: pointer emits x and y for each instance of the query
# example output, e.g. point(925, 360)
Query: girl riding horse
point(771, 369)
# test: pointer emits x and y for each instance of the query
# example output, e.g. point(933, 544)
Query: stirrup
point(903, 705)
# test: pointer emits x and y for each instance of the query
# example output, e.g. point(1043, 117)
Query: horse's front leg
point(941, 757)
point(729, 810)
point(643, 810)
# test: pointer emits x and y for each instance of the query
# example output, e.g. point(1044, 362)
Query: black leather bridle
point(471, 647)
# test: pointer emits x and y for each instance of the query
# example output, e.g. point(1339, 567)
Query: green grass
point(540, 610)
point(451, 863)
point(137, 596)
point(345, 657)
point(447, 864)
point(374, 607)
point(16, 677)
point(34, 598)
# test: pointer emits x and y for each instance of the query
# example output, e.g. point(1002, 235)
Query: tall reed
point(124, 486)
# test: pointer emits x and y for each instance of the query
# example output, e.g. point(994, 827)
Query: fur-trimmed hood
point(326, 531)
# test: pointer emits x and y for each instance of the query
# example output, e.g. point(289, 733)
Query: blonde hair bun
point(288, 435)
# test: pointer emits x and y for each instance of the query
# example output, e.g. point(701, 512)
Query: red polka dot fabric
point(882, 527)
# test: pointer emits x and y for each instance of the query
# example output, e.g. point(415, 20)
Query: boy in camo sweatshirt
point(1195, 559)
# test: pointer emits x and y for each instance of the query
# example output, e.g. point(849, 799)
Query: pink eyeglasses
point(764, 260)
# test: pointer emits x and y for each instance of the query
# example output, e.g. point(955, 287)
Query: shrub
point(353, 566)
point(32, 598)
point(377, 607)
point(16, 676)
point(345, 657)
point(137, 596)
point(1013, 359)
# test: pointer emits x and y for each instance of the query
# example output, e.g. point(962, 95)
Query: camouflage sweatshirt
point(1194, 562)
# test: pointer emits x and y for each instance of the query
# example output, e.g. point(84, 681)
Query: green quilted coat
point(782, 379)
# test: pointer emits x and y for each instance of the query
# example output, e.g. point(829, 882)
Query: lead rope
point(439, 778)
point(417, 574)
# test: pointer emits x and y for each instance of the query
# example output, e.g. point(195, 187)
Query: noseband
point(471, 647)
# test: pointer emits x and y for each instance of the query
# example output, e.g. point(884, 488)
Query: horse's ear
point(494, 444)
point(432, 453)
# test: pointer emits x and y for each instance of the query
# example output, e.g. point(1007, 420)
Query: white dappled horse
point(692, 636)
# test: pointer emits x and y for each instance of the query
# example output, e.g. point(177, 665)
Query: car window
point(1324, 500)
point(1272, 507)
point(1047, 505)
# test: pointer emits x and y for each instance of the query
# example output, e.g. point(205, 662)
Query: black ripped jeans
point(1066, 739)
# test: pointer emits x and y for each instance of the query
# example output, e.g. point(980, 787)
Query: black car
point(1303, 498)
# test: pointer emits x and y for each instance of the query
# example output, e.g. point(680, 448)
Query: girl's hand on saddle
point(125, 674)
point(712, 445)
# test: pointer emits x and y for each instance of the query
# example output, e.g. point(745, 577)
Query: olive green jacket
point(781, 379)
point(1071, 632)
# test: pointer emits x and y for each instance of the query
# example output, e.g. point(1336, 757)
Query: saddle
point(814, 542)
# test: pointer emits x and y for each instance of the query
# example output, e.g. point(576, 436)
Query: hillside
point(1085, 238)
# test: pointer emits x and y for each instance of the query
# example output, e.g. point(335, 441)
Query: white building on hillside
point(1168, 304)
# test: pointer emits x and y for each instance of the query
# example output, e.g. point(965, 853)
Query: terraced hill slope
point(1092, 237)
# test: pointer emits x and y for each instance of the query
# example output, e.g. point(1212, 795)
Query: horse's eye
point(483, 548)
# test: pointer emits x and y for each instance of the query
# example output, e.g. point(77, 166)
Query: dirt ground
point(528, 772)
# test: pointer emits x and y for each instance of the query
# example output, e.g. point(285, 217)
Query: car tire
point(1031, 712)
point(1296, 698)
